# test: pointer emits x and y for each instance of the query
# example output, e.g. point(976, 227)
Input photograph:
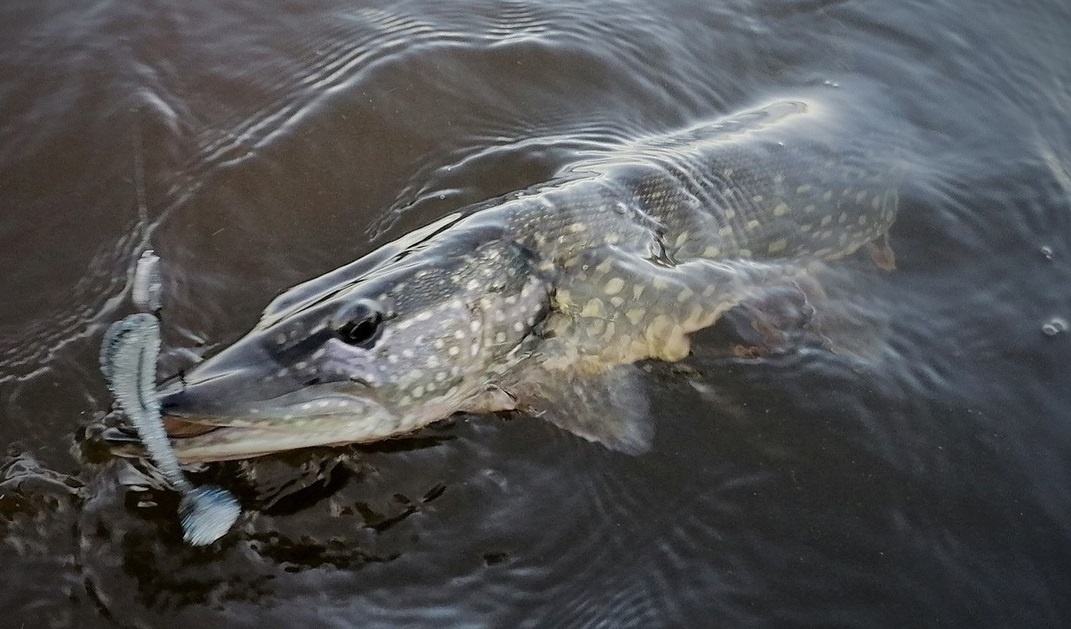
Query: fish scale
point(750, 204)
point(541, 301)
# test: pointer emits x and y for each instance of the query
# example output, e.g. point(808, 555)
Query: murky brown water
point(255, 146)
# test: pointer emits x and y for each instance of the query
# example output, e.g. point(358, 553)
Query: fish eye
point(358, 323)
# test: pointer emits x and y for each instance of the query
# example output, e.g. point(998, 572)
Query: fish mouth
point(211, 439)
point(226, 443)
point(179, 428)
point(223, 411)
point(274, 428)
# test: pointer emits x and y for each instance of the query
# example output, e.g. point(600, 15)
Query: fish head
point(409, 342)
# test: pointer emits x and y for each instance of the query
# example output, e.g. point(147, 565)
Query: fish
point(543, 301)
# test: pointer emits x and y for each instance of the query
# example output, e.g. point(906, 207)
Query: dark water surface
point(923, 482)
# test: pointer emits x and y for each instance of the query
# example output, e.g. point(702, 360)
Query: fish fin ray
point(882, 253)
point(830, 313)
point(609, 408)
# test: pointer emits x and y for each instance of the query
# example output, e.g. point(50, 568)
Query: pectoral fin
point(609, 408)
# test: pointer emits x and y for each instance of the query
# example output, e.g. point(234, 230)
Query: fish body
point(542, 300)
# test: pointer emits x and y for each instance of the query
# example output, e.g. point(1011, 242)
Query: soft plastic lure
point(128, 359)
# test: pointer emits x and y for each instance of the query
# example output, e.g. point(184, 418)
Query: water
point(923, 481)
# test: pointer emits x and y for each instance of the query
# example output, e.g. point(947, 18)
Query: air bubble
point(1054, 326)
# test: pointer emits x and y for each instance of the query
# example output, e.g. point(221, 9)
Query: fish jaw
point(310, 416)
point(243, 405)
point(210, 414)
point(302, 425)
point(230, 442)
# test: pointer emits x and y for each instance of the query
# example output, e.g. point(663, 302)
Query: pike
point(543, 300)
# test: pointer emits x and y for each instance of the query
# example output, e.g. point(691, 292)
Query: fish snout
point(226, 386)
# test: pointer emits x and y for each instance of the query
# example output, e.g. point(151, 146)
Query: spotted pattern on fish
point(539, 301)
